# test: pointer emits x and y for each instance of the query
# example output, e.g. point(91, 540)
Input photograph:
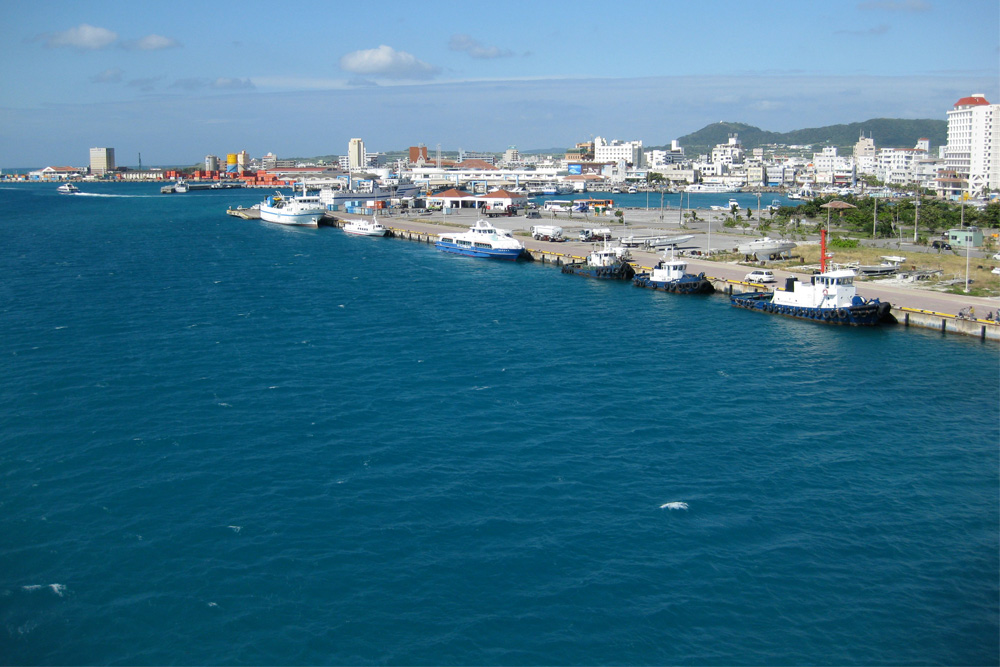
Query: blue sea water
point(227, 442)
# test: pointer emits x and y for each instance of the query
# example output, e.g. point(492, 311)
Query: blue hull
point(507, 254)
point(623, 271)
point(687, 285)
point(867, 314)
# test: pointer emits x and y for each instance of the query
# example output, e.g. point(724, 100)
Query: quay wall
point(907, 317)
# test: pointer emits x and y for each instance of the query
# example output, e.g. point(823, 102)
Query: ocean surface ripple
point(226, 442)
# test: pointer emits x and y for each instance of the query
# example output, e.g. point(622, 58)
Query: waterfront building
point(102, 161)
point(973, 151)
point(269, 161)
point(729, 153)
point(356, 155)
point(511, 155)
point(676, 173)
point(756, 174)
point(628, 152)
point(899, 165)
point(833, 169)
point(55, 173)
point(659, 158)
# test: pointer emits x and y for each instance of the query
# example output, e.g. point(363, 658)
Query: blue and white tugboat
point(482, 240)
point(670, 275)
point(607, 263)
point(830, 298)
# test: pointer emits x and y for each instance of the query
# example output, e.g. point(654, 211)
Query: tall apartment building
point(865, 155)
point(973, 151)
point(629, 152)
point(102, 161)
point(356, 154)
point(729, 153)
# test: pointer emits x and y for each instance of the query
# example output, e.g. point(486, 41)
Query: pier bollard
point(944, 325)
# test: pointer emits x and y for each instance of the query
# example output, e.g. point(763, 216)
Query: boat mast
point(822, 251)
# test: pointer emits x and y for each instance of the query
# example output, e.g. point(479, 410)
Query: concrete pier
point(917, 308)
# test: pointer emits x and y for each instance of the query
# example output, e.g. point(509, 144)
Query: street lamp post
point(968, 241)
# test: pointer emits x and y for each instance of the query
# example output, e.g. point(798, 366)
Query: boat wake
point(674, 506)
point(98, 194)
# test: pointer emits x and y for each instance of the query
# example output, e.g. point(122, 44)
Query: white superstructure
point(299, 210)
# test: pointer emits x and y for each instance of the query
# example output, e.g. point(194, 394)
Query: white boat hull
point(303, 219)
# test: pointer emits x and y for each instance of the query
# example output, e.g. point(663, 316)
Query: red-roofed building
point(971, 101)
point(973, 151)
point(502, 199)
point(481, 165)
point(453, 198)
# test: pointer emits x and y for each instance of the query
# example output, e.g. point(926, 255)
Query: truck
point(595, 234)
point(501, 211)
point(547, 233)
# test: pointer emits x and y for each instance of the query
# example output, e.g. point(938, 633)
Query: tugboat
point(830, 298)
point(604, 263)
point(670, 275)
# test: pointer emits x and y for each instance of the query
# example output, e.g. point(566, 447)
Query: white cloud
point(83, 36)
point(110, 75)
point(387, 63)
point(467, 44)
point(151, 43)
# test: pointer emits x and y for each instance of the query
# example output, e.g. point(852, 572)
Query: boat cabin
point(833, 289)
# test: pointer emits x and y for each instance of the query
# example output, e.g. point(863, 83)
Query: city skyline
point(176, 82)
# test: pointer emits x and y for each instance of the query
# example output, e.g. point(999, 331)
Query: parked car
point(941, 245)
point(532, 214)
point(760, 276)
point(997, 256)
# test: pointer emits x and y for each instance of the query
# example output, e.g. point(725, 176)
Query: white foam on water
point(676, 505)
point(236, 529)
point(58, 589)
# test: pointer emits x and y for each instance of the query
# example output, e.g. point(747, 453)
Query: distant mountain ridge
point(886, 132)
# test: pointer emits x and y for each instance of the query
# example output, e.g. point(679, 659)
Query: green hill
point(886, 132)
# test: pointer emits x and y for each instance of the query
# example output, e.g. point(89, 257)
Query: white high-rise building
point(629, 152)
point(729, 153)
point(102, 161)
point(973, 152)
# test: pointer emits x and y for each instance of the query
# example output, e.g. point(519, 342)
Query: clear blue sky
point(179, 80)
